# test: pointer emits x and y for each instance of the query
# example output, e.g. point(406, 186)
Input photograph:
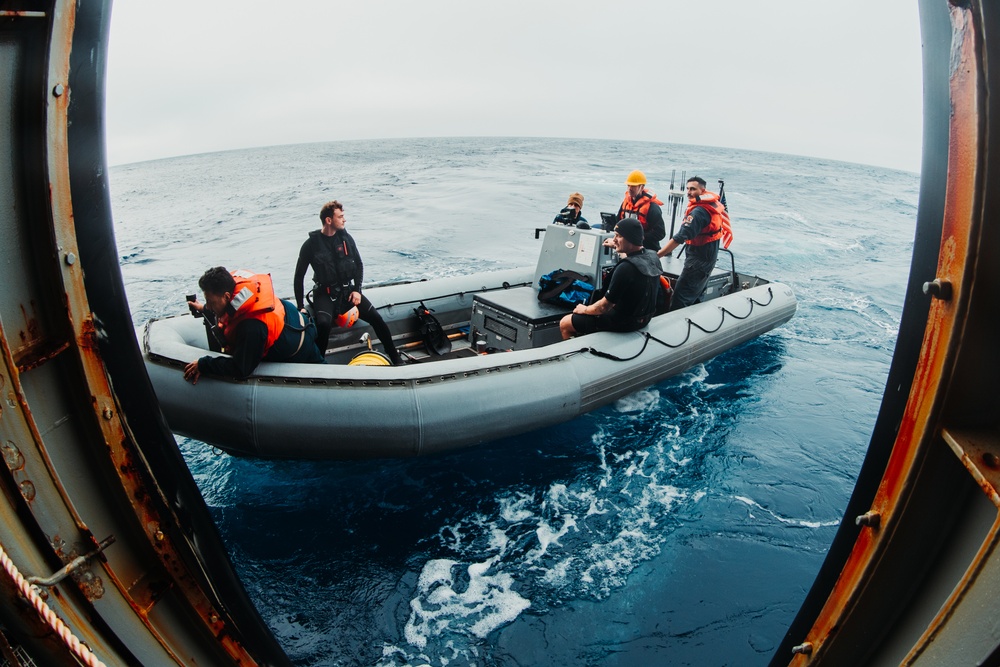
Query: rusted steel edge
point(123, 456)
point(918, 430)
point(986, 550)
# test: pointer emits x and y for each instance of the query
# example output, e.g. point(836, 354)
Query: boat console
point(575, 249)
point(515, 319)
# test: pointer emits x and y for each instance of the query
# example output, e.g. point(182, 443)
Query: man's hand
point(354, 298)
point(599, 308)
point(192, 372)
point(667, 249)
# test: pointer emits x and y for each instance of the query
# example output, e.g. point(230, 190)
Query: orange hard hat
point(636, 178)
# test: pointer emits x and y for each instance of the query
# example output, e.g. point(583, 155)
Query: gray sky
point(828, 78)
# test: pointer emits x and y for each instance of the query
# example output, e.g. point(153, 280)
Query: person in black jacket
point(571, 214)
point(246, 321)
point(337, 276)
point(643, 205)
point(630, 299)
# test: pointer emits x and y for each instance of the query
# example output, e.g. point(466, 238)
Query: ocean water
point(681, 526)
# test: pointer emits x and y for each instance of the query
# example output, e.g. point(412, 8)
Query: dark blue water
point(681, 526)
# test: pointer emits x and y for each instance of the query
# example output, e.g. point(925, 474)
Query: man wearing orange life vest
point(705, 223)
point(252, 322)
point(643, 205)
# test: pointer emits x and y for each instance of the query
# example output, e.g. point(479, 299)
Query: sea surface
point(682, 525)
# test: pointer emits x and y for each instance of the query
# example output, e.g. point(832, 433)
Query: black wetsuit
point(698, 263)
point(337, 271)
point(632, 291)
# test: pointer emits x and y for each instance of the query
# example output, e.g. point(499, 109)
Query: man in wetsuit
point(630, 298)
point(337, 276)
point(641, 204)
point(701, 230)
point(251, 324)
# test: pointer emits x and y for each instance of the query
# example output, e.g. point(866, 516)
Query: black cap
point(631, 230)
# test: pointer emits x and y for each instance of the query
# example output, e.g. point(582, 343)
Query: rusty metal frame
point(915, 570)
point(161, 590)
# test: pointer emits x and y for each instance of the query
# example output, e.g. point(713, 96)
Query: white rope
point(49, 616)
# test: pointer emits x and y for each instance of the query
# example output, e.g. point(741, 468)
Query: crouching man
point(630, 299)
point(252, 324)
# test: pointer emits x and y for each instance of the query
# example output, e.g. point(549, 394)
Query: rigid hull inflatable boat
point(507, 371)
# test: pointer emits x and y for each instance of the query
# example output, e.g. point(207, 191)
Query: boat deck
point(410, 347)
point(493, 317)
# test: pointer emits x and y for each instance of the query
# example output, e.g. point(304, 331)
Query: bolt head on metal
point(27, 488)
point(70, 259)
point(805, 648)
point(870, 519)
point(939, 289)
point(58, 90)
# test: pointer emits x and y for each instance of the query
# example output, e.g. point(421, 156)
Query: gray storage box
point(515, 319)
point(718, 284)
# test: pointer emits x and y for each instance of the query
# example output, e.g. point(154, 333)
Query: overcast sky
point(827, 78)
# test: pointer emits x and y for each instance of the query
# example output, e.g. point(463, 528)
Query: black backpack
point(431, 332)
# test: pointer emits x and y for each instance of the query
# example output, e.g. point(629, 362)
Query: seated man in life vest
point(643, 205)
point(571, 213)
point(252, 323)
point(629, 301)
point(704, 224)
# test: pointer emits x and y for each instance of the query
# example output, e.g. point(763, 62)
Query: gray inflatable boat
point(503, 370)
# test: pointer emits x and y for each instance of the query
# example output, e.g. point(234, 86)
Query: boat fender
point(431, 332)
point(564, 288)
point(664, 296)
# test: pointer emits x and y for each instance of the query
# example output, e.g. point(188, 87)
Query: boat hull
point(343, 412)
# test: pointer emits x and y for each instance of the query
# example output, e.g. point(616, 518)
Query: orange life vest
point(639, 209)
point(253, 299)
point(718, 227)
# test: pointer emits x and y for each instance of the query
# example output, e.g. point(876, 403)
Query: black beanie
point(631, 230)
